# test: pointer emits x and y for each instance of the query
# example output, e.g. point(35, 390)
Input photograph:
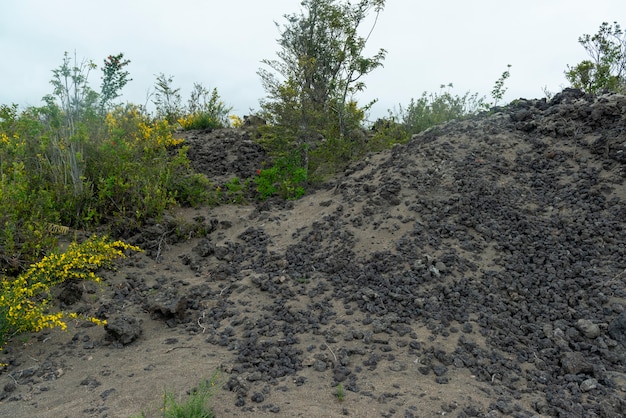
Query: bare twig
point(177, 347)
point(331, 352)
point(617, 277)
point(200, 325)
point(158, 254)
point(160, 246)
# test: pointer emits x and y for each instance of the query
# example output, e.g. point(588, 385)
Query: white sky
point(221, 43)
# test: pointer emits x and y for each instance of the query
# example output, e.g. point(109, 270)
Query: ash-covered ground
point(479, 270)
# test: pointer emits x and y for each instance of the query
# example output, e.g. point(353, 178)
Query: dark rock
point(439, 370)
point(341, 373)
point(588, 384)
point(617, 328)
point(123, 330)
point(90, 382)
point(168, 306)
point(257, 397)
point(575, 363)
point(105, 394)
point(71, 292)
point(204, 248)
point(588, 328)
point(222, 253)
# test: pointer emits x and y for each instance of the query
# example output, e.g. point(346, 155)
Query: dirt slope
point(479, 270)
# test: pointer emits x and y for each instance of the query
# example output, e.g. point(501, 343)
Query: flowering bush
point(205, 110)
point(25, 301)
point(76, 163)
point(235, 121)
point(199, 120)
point(128, 124)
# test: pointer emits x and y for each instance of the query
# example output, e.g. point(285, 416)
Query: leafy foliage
point(235, 191)
point(606, 70)
point(318, 71)
point(497, 93)
point(205, 110)
point(386, 133)
point(114, 78)
point(285, 178)
point(195, 406)
point(434, 108)
point(167, 99)
point(142, 169)
point(66, 163)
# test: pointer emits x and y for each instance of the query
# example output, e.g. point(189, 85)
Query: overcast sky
point(221, 43)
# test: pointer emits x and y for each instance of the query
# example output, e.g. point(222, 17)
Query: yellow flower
point(22, 307)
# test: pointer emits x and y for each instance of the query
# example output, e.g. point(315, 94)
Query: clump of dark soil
point(478, 270)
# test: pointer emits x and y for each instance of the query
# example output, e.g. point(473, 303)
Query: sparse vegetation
point(81, 160)
point(205, 110)
point(432, 109)
point(285, 178)
point(81, 167)
point(235, 190)
point(339, 393)
point(606, 70)
point(196, 404)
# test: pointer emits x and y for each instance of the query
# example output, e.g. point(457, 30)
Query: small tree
point(319, 68)
point(606, 70)
point(167, 99)
point(497, 93)
point(77, 102)
point(71, 88)
point(113, 79)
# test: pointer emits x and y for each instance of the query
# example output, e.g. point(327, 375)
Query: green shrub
point(435, 108)
point(194, 406)
point(606, 70)
point(340, 393)
point(167, 99)
point(285, 178)
point(205, 110)
point(332, 156)
point(25, 215)
point(122, 165)
point(387, 133)
point(133, 169)
point(199, 120)
point(235, 191)
point(193, 189)
point(27, 203)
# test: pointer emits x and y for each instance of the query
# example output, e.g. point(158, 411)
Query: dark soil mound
point(479, 270)
point(223, 154)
